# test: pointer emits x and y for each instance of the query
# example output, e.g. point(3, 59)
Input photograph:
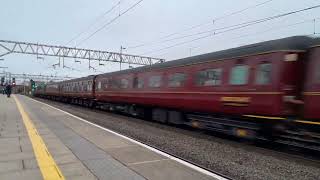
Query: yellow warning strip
point(308, 122)
point(281, 118)
point(49, 169)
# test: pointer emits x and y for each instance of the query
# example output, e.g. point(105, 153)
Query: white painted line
point(144, 162)
point(199, 169)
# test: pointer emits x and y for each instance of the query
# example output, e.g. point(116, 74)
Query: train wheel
point(244, 133)
point(133, 110)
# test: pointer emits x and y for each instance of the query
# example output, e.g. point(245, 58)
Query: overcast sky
point(57, 22)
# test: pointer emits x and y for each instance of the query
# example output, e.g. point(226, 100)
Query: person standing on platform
point(8, 90)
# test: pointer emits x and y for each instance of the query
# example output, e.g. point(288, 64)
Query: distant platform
point(38, 141)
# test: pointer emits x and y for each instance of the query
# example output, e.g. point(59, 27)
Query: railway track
point(285, 149)
point(290, 151)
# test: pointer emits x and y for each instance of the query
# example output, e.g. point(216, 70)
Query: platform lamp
point(13, 81)
point(2, 81)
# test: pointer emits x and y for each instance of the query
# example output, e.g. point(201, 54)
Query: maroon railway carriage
point(257, 80)
point(79, 91)
point(249, 91)
point(50, 89)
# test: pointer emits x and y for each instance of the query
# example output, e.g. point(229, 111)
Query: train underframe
point(286, 131)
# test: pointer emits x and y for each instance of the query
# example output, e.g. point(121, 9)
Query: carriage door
point(291, 84)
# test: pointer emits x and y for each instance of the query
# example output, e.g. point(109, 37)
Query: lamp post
point(121, 48)
point(3, 67)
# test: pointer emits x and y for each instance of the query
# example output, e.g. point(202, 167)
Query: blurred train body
point(255, 90)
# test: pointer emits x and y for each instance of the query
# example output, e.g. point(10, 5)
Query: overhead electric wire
point(94, 22)
point(109, 22)
point(199, 25)
point(265, 31)
point(217, 29)
point(210, 31)
point(221, 17)
point(271, 29)
point(234, 27)
point(277, 28)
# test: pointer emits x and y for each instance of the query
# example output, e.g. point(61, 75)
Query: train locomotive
point(268, 90)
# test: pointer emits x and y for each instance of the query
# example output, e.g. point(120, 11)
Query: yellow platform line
point(47, 165)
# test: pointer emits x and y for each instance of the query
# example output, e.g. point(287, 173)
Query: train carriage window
point(209, 77)
point(99, 85)
point(138, 82)
point(263, 75)
point(177, 80)
point(317, 73)
point(78, 86)
point(155, 81)
point(239, 75)
point(124, 83)
point(85, 86)
point(115, 83)
point(81, 86)
point(89, 85)
point(104, 83)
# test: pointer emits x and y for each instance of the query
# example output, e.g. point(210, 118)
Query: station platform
point(38, 141)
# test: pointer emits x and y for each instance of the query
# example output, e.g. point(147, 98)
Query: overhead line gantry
point(40, 77)
point(10, 47)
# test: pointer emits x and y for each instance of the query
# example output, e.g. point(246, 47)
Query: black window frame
point(138, 82)
point(316, 73)
point(121, 83)
point(201, 77)
point(174, 78)
point(160, 81)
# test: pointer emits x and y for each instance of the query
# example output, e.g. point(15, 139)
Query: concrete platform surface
point(79, 150)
